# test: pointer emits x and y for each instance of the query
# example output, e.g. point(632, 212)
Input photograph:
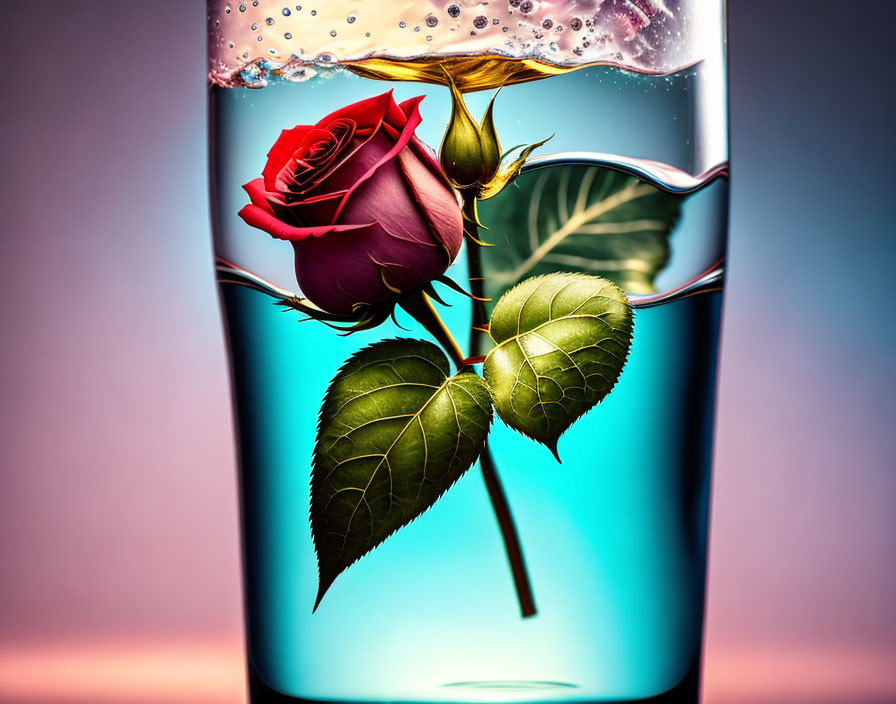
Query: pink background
point(119, 578)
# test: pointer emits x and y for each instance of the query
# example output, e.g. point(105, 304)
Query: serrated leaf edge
point(323, 586)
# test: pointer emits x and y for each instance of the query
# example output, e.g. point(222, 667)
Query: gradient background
point(119, 575)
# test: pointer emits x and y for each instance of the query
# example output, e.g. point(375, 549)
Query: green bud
point(470, 153)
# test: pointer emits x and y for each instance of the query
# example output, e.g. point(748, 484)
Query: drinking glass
point(470, 260)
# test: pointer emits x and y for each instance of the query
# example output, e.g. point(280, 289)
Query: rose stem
point(496, 493)
point(421, 309)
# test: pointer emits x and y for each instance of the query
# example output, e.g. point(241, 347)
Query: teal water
point(614, 537)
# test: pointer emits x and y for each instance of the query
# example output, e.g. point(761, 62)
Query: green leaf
point(395, 432)
point(561, 342)
point(578, 217)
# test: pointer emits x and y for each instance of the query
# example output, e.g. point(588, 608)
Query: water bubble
point(453, 11)
point(496, 21)
point(258, 38)
point(431, 20)
point(402, 24)
point(288, 35)
point(332, 32)
point(254, 25)
point(254, 76)
point(227, 10)
point(480, 22)
point(299, 8)
point(547, 24)
point(504, 29)
point(286, 12)
point(366, 34)
point(254, 3)
point(575, 24)
point(515, 3)
point(297, 73)
point(526, 6)
point(429, 37)
point(313, 13)
point(416, 29)
point(351, 18)
point(269, 21)
point(230, 45)
point(242, 8)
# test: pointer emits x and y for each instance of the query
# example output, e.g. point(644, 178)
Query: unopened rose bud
point(470, 153)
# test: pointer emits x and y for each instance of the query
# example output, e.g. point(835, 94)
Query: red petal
point(256, 217)
point(413, 120)
point(365, 113)
point(436, 202)
point(257, 195)
point(281, 152)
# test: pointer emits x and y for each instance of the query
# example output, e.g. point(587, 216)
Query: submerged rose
point(363, 202)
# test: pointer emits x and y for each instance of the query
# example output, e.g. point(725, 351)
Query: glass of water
point(433, 290)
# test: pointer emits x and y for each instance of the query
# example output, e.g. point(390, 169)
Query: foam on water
point(250, 39)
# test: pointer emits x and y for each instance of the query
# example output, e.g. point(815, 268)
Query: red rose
point(364, 203)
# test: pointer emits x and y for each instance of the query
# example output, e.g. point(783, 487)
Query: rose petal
point(387, 200)
point(263, 220)
point(413, 121)
point(365, 113)
point(281, 152)
point(337, 271)
point(255, 189)
point(435, 200)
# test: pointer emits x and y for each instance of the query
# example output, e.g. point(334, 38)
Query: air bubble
point(254, 25)
point(453, 11)
point(288, 35)
point(351, 18)
point(515, 3)
point(286, 12)
point(547, 24)
point(575, 24)
point(526, 6)
point(242, 8)
point(297, 73)
point(227, 10)
point(416, 29)
point(254, 3)
point(429, 37)
point(496, 21)
point(332, 32)
point(313, 13)
point(431, 20)
point(269, 21)
point(402, 24)
point(480, 22)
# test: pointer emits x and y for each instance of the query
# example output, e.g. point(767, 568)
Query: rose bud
point(363, 202)
point(471, 154)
